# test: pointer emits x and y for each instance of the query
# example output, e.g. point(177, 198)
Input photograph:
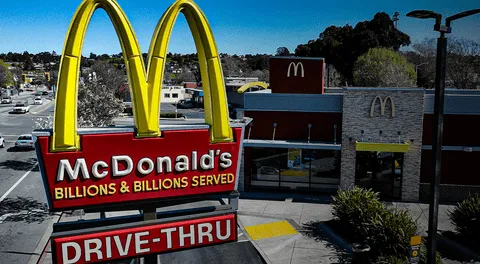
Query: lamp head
point(423, 14)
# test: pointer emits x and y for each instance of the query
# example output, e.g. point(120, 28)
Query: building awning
point(383, 147)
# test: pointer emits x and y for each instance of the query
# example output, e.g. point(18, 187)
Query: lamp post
point(438, 119)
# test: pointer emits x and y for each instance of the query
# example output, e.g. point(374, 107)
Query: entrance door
point(380, 171)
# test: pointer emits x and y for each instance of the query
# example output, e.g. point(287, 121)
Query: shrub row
point(386, 231)
point(465, 216)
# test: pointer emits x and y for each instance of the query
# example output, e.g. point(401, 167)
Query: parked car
point(38, 101)
point(2, 142)
point(25, 141)
point(21, 108)
point(44, 93)
point(183, 104)
point(6, 100)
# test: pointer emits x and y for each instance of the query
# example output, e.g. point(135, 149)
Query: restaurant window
point(264, 167)
point(325, 169)
point(175, 95)
point(296, 169)
point(167, 95)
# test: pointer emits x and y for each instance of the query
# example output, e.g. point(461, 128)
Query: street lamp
point(438, 119)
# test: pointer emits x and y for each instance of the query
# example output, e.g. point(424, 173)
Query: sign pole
point(150, 213)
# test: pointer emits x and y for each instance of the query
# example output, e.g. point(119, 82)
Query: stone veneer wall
point(408, 121)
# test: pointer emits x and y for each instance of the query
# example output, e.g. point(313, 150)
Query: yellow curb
point(274, 229)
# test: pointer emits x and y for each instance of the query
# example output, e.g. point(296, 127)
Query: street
point(23, 214)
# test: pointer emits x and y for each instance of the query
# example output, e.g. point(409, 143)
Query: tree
point(185, 76)
point(231, 66)
point(463, 63)
point(332, 77)
point(283, 51)
point(98, 98)
point(341, 46)
point(108, 75)
point(17, 77)
point(381, 67)
point(6, 77)
point(97, 104)
point(28, 63)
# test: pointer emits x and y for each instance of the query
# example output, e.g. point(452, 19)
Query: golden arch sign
point(145, 85)
point(247, 86)
point(383, 103)
point(296, 66)
point(101, 167)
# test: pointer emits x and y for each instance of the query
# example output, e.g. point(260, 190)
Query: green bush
point(171, 115)
point(466, 217)
point(386, 231)
point(355, 207)
point(423, 254)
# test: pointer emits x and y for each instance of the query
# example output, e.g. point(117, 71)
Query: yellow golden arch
point(145, 85)
point(247, 86)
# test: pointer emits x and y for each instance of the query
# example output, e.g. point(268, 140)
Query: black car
point(44, 93)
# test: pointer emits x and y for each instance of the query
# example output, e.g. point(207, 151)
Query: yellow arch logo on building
point(247, 86)
point(145, 85)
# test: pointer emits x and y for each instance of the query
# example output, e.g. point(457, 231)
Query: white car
point(25, 141)
point(6, 100)
point(2, 142)
point(38, 101)
point(21, 108)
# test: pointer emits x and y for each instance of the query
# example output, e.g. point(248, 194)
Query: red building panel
point(297, 75)
point(458, 167)
point(458, 130)
point(294, 125)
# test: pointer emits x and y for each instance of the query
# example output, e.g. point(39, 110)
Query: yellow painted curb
point(274, 229)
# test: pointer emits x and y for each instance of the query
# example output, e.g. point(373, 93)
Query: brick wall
point(408, 121)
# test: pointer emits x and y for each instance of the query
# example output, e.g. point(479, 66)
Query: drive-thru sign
point(97, 167)
point(145, 238)
point(140, 166)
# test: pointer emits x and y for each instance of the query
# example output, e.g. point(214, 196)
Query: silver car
point(25, 141)
point(6, 100)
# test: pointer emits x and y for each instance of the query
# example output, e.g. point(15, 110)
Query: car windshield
point(20, 105)
point(7, 97)
point(38, 98)
point(25, 138)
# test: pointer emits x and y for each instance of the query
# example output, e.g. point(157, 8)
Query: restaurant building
point(308, 138)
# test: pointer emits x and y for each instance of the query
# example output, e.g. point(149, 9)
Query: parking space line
point(17, 183)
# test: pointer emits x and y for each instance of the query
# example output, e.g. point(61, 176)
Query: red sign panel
point(119, 168)
point(297, 75)
point(139, 241)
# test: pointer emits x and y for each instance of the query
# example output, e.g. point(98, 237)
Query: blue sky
point(240, 27)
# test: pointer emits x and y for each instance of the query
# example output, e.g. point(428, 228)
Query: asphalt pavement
point(23, 212)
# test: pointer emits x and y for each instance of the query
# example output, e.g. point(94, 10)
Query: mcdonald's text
point(143, 167)
point(105, 171)
point(143, 240)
